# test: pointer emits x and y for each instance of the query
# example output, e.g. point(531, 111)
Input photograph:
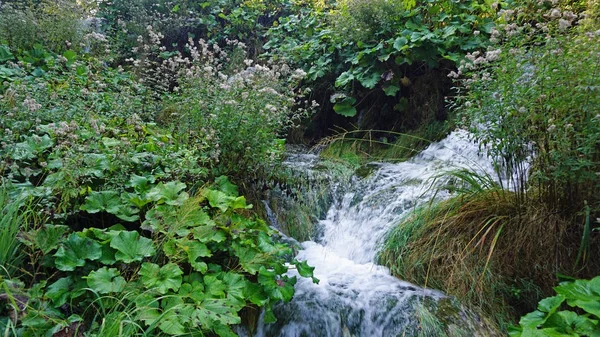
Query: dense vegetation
point(130, 130)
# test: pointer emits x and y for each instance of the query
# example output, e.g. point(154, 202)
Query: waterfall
point(355, 296)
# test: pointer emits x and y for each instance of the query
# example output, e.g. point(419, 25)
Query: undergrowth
point(487, 248)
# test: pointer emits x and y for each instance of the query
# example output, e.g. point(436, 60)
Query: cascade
point(355, 296)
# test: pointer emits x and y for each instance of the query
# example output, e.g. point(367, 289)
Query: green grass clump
point(486, 246)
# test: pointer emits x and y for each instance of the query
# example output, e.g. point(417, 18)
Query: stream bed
point(355, 296)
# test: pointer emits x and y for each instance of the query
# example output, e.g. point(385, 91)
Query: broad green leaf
point(533, 319)
point(391, 90)
point(580, 289)
point(161, 278)
point(194, 291)
point(195, 250)
point(59, 291)
point(75, 251)
point(141, 184)
point(346, 107)
point(106, 281)
point(369, 79)
point(345, 78)
point(208, 234)
point(550, 304)
point(226, 186)
point(249, 258)
point(224, 330)
point(235, 286)
point(170, 193)
point(218, 199)
point(47, 238)
point(213, 287)
point(102, 201)
point(400, 43)
point(171, 324)
point(216, 310)
point(131, 246)
point(127, 213)
point(5, 54)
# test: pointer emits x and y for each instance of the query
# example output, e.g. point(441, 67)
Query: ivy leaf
point(256, 294)
point(346, 107)
point(131, 247)
point(75, 251)
point(269, 316)
point(59, 291)
point(305, 270)
point(106, 281)
point(161, 279)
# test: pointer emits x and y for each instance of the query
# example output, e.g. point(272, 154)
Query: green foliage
point(375, 45)
point(243, 113)
point(57, 24)
point(135, 240)
point(581, 318)
point(12, 220)
point(203, 264)
point(537, 95)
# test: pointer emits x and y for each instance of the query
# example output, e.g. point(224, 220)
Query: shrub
point(580, 318)
point(243, 112)
point(58, 25)
point(535, 96)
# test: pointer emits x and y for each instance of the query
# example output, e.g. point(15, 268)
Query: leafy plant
point(574, 311)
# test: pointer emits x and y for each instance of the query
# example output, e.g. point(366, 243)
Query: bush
point(243, 112)
point(536, 96)
point(56, 24)
point(549, 320)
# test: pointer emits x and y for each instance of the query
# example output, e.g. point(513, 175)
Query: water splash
point(356, 297)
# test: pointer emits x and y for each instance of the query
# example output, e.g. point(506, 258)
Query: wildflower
point(31, 104)
point(555, 13)
point(453, 74)
point(563, 24)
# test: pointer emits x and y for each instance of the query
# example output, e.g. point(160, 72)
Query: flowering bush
point(242, 110)
point(535, 94)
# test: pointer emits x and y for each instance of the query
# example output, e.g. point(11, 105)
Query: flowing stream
point(355, 296)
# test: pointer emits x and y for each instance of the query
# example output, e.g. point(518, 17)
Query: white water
point(356, 297)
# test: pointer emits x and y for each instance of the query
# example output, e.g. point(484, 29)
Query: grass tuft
point(487, 247)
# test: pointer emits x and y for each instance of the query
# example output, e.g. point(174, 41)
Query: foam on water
point(356, 297)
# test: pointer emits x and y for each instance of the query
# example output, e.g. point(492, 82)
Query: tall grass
point(357, 147)
point(12, 220)
point(486, 246)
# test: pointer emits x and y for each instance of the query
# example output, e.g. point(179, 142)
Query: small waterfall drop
point(355, 296)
